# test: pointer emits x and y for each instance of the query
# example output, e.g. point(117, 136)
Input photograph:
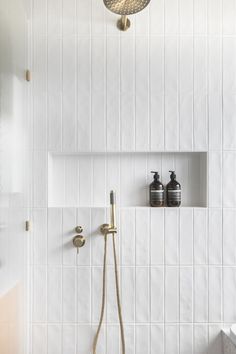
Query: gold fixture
point(110, 228)
point(124, 8)
point(28, 75)
point(105, 230)
point(27, 225)
point(78, 241)
point(78, 229)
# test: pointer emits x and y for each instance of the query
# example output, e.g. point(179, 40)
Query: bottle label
point(157, 195)
point(174, 194)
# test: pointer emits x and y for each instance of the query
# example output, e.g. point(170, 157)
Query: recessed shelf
point(85, 179)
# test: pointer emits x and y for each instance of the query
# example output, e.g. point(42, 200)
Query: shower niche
point(85, 179)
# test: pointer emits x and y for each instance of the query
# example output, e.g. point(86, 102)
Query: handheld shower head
point(124, 8)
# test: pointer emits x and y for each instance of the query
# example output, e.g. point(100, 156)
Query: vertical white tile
point(186, 339)
point(69, 339)
point(172, 346)
point(85, 181)
point(39, 18)
point(98, 217)
point(54, 12)
point(54, 98)
point(84, 11)
point(39, 340)
point(171, 236)
point(142, 295)
point(128, 293)
point(101, 344)
point(54, 236)
point(186, 236)
point(127, 179)
point(141, 94)
point(215, 340)
point(186, 294)
point(229, 242)
point(84, 220)
point(98, 18)
point(215, 294)
point(113, 342)
point(99, 188)
point(200, 17)
point(69, 18)
point(200, 294)
point(128, 243)
point(215, 236)
point(84, 336)
point(112, 315)
point(71, 181)
point(69, 98)
point(84, 91)
point(140, 188)
point(229, 294)
point(229, 84)
point(113, 176)
point(68, 232)
point(156, 17)
point(200, 236)
point(215, 91)
point(127, 94)
point(157, 294)
point(96, 293)
point(54, 339)
point(142, 339)
point(130, 338)
point(69, 297)
point(171, 17)
point(83, 295)
point(39, 178)
point(157, 339)
point(200, 93)
point(39, 300)
point(157, 236)
point(172, 294)
point(200, 338)
point(142, 217)
point(186, 17)
point(171, 93)
point(54, 294)
point(39, 236)
point(215, 184)
point(98, 94)
point(113, 94)
point(229, 175)
point(186, 91)
point(229, 10)
point(39, 87)
point(156, 91)
point(215, 17)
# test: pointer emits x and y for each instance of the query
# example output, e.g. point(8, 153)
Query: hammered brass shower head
point(124, 8)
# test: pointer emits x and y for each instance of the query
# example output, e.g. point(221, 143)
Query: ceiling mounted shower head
point(124, 8)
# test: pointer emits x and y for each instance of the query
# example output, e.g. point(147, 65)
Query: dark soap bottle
point(173, 191)
point(156, 191)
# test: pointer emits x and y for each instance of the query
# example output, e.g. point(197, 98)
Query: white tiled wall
point(167, 84)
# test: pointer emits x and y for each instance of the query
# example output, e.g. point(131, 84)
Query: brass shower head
point(124, 8)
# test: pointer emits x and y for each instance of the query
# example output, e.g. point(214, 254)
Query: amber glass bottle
point(156, 191)
point(173, 191)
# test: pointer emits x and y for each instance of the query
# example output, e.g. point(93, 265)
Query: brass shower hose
point(104, 295)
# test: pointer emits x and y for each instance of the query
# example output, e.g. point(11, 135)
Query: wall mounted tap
point(78, 240)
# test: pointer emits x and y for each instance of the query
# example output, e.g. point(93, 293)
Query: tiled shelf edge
point(84, 179)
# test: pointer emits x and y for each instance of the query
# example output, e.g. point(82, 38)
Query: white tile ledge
point(229, 344)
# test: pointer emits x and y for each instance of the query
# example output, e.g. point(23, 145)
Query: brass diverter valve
point(78, 240)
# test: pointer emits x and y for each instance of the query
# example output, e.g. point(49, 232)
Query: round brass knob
point(78, 229)
point(78, 241)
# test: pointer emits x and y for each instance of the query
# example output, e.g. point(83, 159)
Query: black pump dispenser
point(156, 191)
point(173, 191)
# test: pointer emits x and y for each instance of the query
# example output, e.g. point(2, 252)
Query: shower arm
point(111, 228)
